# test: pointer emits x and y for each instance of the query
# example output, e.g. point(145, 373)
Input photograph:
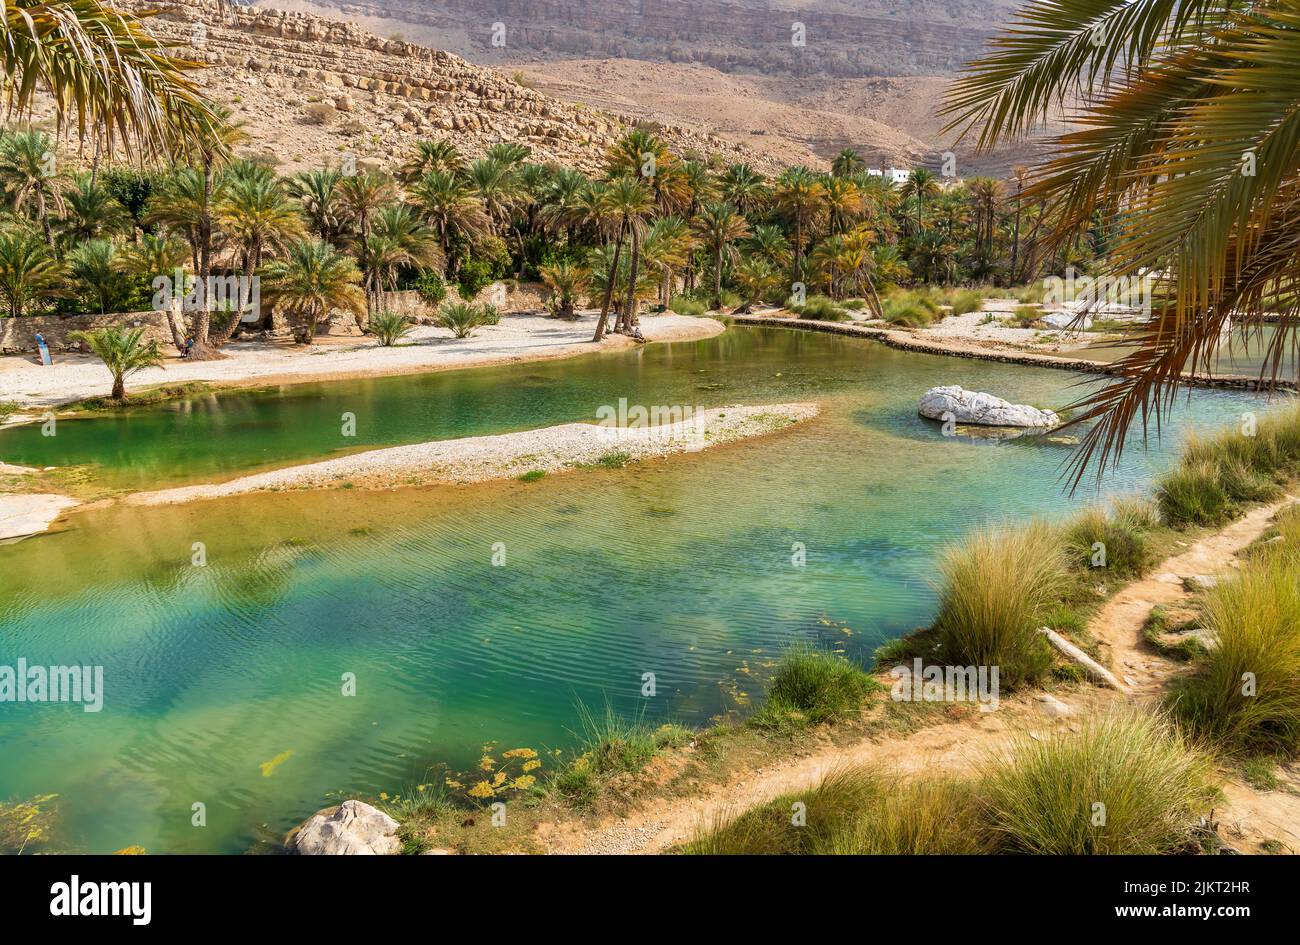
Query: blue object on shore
point(44, 350)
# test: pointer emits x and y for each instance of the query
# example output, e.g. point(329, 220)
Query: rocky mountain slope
point(846, 38)
point(872, 74)
point(311, 90)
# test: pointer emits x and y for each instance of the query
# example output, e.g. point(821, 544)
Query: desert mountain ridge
point(310, 90)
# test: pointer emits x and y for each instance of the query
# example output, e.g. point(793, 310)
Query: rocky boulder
point(352, 828)
point(975, 407)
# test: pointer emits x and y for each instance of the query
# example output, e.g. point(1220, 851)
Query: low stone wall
point(904, 342)
point(509, 296)
point(18, 335)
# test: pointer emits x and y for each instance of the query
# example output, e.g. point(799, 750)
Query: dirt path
point(1249, 820)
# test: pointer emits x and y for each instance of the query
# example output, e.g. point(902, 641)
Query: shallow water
point(680, 567)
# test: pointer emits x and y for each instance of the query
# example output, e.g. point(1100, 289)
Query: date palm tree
point(257, 215)
point(848, 163)
point(97, 266)
point(920, 186)
point(801, 196)
point(718, 227)
point(105, 73)
point(364, 194)
point(309, 281)
point(398, 239)
point(123, 351)
point(431, 154)
point(1189, 148)
point(28, 270)
point(450, 205)
point(744, 188)
point(317, 192)
point(32, 178)
point(90, 210)
point(625, 202)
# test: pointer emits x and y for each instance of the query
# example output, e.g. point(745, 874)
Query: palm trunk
point(119, 387)
point(45, 219)
point(609, 286)
point(717, 277)
point(629, 307)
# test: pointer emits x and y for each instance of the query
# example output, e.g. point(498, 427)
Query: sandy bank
point(517, 338)
point(479, 458)
point(24, 515)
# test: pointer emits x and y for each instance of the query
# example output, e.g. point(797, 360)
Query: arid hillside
point(310, 91)
point(871, 75)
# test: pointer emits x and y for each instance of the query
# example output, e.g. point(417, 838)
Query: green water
point(680, 567)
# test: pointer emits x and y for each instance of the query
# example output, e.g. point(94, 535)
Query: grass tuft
point(812, 686)
point(999, 586)
point(1127, 783)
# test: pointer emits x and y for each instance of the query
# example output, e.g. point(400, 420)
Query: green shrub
point(1246, 691)
point(685, 305)
point(611, 745)
point(999, 585)
point(820, 308)
point(432, 288)
point(1026, 315)
point(1123, 533)
point(533, 475)
point(8, 408)
point(964, 301)
point(389, 328)
point(475, 275)
point(915, 308)
point(812, 686)
point(1042, 797)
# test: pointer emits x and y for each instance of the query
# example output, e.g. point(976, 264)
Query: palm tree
point(668, 245)
point(28, 270)
point(123, 352)
point(153, 257)
point(567, 281)
point(744, 188)
point(451, 206)
point(758, 279)
point(31, 178)
point(97, 265)
point(90, 210)
point(562, 201)
point(398, 239)
point(718, 227)
point(317, 191)
point(626, 202)
point(843, 203)
point(363, 195)
point(497, 187)
point(801, 196)
point(768, 243)
point(105, 71)
point(1187, 147)
point(848, 163)
point(921, 184)
point(257, 215)
point(311, 279)
point(431, 154)
point(985, 194)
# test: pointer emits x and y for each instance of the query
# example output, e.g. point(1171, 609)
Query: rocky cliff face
point(309, 89)
point(847, 38)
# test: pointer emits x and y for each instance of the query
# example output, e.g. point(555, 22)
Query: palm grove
point(657, 228)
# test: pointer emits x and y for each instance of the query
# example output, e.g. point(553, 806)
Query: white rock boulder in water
point(351, 828)
point(968, 406)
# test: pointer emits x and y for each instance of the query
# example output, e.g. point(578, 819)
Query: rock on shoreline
point(975, 407)
point(352, 828)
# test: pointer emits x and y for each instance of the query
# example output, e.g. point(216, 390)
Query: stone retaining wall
point(18, 335)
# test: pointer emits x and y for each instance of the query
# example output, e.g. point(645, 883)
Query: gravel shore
point(479, 458)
